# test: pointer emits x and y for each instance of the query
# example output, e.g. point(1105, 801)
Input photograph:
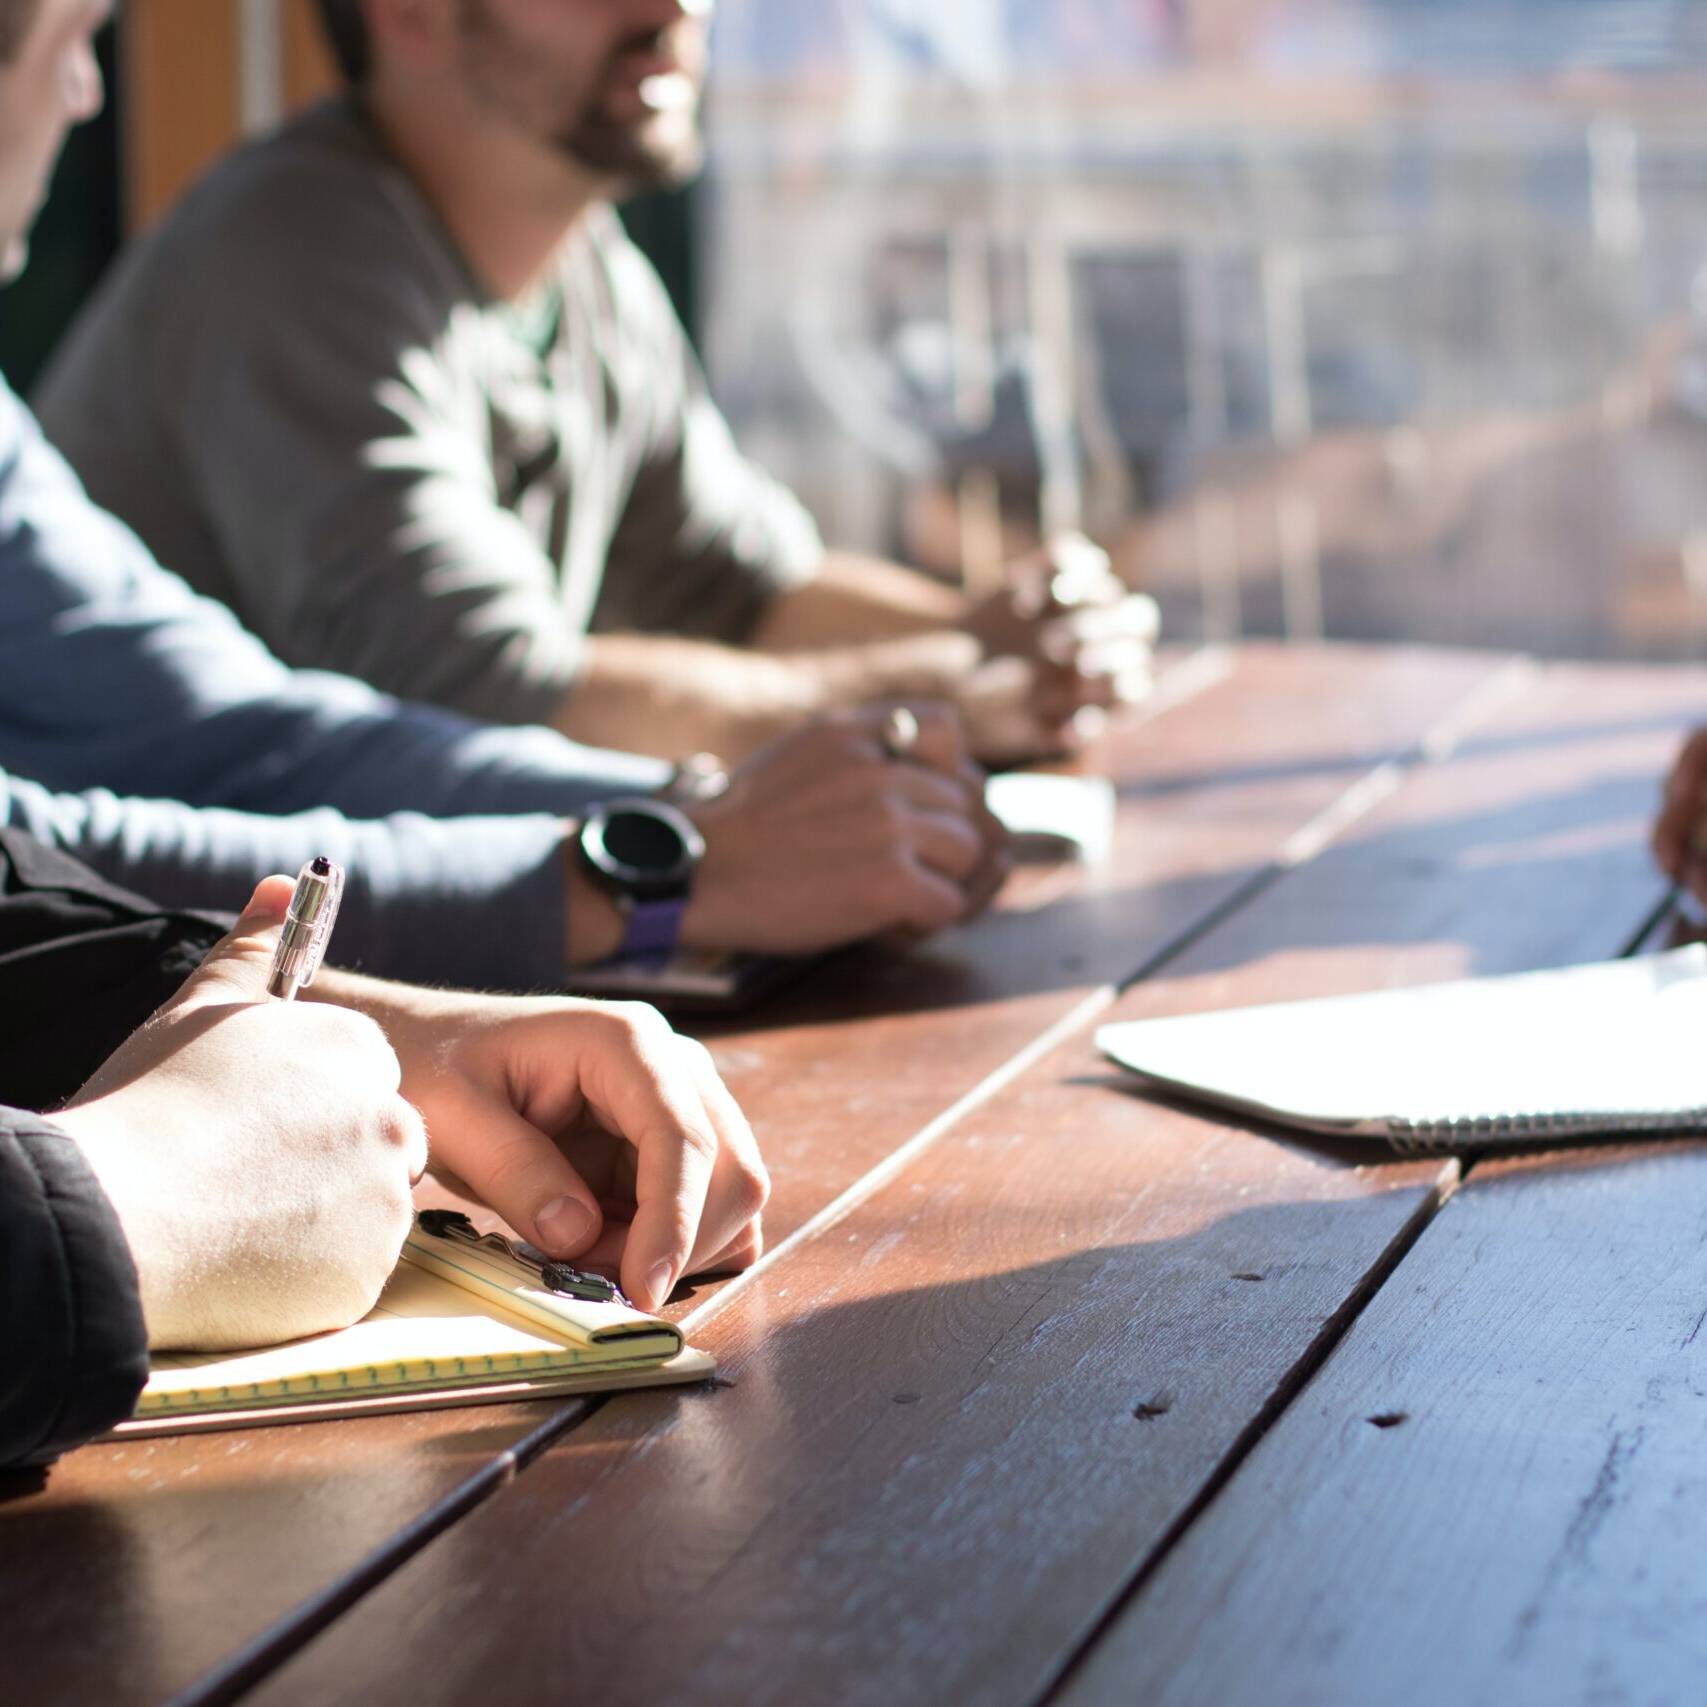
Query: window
point(1366, 318)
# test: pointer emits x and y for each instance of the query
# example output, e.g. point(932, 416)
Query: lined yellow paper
point(424, 1333)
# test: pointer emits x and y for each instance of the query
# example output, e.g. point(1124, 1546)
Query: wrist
point(595, 923)
point(103, 1136)
point(630, 872)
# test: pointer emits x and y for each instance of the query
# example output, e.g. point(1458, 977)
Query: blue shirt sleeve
point(114, 674)
point(474, 901)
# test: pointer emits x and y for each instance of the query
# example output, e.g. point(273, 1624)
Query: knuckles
point(637, 1028)
point(701, 1141)
point(750, 1189)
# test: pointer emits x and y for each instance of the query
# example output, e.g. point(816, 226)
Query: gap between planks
point(1649, 936)
point(1452, 1175)
point(1202, 670)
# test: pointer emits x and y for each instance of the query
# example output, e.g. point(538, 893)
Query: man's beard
point(651, 155)
point(659, 151)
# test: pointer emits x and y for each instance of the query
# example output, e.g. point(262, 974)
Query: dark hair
point(16, 17)
point(345, 24)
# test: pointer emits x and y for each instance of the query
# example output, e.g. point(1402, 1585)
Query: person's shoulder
point(320, 191)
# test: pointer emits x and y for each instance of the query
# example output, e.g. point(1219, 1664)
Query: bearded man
point(394, 385)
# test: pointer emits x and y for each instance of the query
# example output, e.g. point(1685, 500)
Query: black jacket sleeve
point(73, 1348)
point(82, 964)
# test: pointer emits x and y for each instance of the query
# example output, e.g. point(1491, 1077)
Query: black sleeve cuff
point(82, 965)
point(73, 1344)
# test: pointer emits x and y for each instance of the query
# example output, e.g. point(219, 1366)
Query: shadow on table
point(1117, 1363)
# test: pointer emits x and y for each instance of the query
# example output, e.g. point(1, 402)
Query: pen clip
point(559, 1277)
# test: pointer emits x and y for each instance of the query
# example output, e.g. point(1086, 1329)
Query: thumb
point(236, 967)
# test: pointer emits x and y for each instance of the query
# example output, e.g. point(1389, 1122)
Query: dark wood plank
point(198, 1549)
point(966, 1414)
point(1492, 1494)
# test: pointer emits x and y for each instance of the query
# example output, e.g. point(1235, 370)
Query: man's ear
point(420, 35)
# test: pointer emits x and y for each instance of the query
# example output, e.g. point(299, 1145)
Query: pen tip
point(321, 866)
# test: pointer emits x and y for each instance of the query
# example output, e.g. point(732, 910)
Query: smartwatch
point(643, 853)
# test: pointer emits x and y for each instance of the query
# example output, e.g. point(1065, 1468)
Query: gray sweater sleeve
point(71, 1329)
point(114, 674)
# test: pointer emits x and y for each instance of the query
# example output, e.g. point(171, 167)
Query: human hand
point(592, 1128)
point(1679, 837)
point(826, 837)
point(1064, 642)
point(257, 1152)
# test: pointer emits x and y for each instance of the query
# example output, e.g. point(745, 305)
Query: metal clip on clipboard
point(559, 1277)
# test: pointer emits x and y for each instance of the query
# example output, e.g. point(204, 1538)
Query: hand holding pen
point(227, 1125)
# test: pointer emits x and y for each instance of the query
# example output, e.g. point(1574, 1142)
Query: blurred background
point(1366, 319)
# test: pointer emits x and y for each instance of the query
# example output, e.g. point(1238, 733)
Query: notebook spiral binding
point(1452, 1132)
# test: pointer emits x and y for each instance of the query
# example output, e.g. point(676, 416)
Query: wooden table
point(1046, 1391)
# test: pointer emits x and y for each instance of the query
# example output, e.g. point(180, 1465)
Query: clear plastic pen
point(307, 928)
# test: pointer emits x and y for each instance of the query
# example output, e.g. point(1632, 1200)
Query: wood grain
point(852, 1065)
point(197, 1549)
point(967, 1414)
point(1492, 1494)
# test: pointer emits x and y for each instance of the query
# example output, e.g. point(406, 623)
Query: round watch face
point(642, 848)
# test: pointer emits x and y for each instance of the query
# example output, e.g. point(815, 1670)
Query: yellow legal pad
point(453, 1326)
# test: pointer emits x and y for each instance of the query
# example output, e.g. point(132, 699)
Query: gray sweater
point(297, 393)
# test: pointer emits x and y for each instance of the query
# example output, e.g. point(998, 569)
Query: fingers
point(672, 1097)
point(643, 1088)
point(1103, 651)
point(700, 1184)
point(938, 740)
point(409, 1133)
point(999, 701)
point(1680, 822)
point(938, 834)
point(236, 967)
point(739, 1254)
point(730, 1235)
point(950, 832)
point(519, 1171)
point(948, 847)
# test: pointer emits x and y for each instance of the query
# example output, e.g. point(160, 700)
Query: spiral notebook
point(1607, 1050)
point(458, 1323)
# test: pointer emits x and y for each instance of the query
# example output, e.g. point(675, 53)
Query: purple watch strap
point(653, 927)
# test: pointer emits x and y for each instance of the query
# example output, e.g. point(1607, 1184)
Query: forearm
point(854, 599)
point(672, 697)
